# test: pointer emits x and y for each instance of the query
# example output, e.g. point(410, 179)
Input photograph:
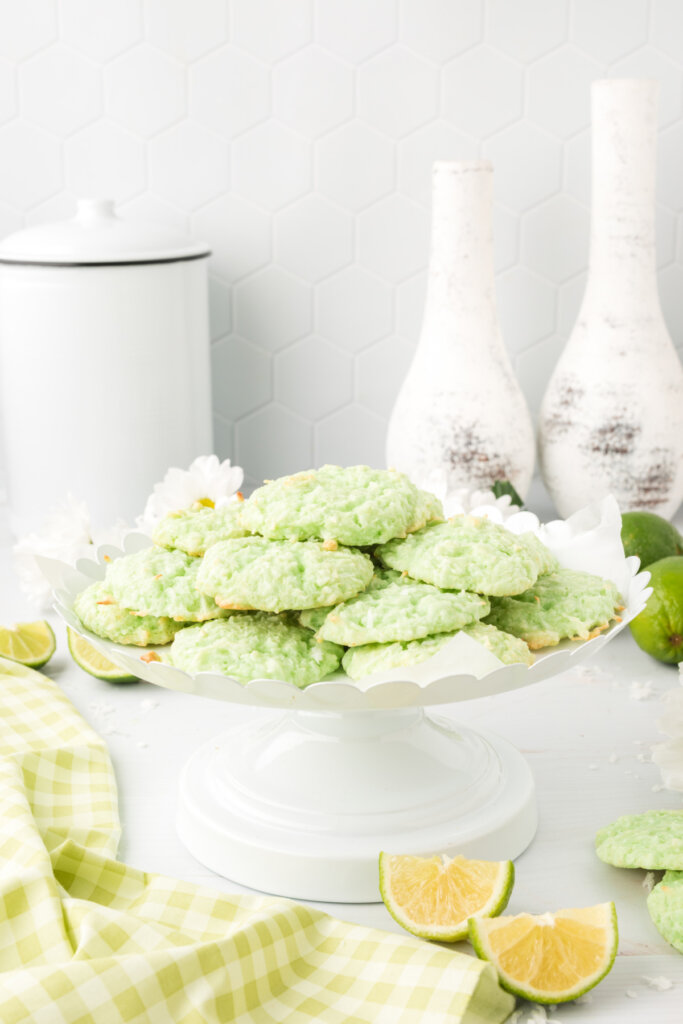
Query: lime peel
point(95, 664)
point(28, 643)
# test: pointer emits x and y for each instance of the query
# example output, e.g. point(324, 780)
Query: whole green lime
point(650, 537)
point(659, 627)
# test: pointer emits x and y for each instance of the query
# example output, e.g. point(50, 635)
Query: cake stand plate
point(302, 804)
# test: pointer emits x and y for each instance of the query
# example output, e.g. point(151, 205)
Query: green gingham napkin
point(85, 939)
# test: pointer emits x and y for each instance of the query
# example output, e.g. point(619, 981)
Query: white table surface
point(570, 728)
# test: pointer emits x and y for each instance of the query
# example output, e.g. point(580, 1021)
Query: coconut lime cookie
point(278, 575)
point(394, 607)
point(665, 906)
point(194, 530)
point(561, 604)
point(160, 583)
point(652, 840)
point(255, 646)
point(470, 553)
point(508, 649)
point(99, 612)
point(356, 506)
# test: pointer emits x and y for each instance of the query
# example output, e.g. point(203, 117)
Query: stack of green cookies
point(338, 565)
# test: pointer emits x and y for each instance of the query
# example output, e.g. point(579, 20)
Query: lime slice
point(94, 663)
point(30, 643)
point(433, 897)
point(549, 958)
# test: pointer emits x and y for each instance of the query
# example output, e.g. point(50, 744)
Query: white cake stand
point(301, 805)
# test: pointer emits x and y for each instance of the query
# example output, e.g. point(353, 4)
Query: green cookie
point(278, 575)
point(508, 649)
point(195, 529)
point(160, 583)
point(356, 506)
point(653, 840)
point(561, 604)
point(99, 613)
point(470, 553)
point(665, 905)
point(255, 646)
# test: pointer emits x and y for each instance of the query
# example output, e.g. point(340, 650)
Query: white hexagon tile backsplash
point(297, 137)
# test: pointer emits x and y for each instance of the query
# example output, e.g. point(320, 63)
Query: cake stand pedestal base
point(302, 804)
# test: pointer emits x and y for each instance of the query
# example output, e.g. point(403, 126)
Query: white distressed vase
point(460, 416)
point(612, 416)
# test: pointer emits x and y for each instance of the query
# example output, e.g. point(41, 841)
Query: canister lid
point(96, 236)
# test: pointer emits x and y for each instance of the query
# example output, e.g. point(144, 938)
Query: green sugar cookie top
point(565, 603)
point(653, 840)
point(395, 607)
point(356, 506)
point(507, 648)
point(665, 906)
point(470, 553)
point(195, 529)
point(161, 583)
point(255, 646)
point(279, 575)
point(99, 612)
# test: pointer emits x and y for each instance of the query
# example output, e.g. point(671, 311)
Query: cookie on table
point(359, 662)
point(280, 575)
point(665, 906)
point(470, 553)
point(395, 607)
point(255, 645)
point(562, 604)
point(99, 612)
point(161, 583)
point(193, 530)
point(652, 840)
point(356, 506)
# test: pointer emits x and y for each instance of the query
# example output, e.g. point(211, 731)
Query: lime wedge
point(549, 958)
point(94, 663)
point(30, 643)
point(433, 897)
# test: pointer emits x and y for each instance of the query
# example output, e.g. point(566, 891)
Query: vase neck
point(622, 247)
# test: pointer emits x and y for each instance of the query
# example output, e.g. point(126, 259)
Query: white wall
point(296, 137)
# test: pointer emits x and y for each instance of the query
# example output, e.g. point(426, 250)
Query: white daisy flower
point(208, 480)
point(459, 500)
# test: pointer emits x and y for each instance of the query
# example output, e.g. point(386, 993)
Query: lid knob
point(94, 211)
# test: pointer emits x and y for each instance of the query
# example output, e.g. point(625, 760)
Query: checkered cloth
point(85, 939)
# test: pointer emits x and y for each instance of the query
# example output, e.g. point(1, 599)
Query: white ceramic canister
point(105, 365)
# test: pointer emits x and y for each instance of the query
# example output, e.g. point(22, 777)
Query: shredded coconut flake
point(148, 704)
point(641, 691)
point(613, 759)
point(648, 883)
point(660, 983)
point(631, 993)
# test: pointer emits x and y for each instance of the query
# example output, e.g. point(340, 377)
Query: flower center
point(206, 502)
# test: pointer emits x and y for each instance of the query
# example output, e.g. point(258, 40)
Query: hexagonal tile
point(105, 160)
point(505, 238)
point(570, 297)
point(31, 166)
point(314, 378)
point(27, 27)
point(528, 165)
point(667, 27)
point(145, 90)
point(393, 238)
point(416, 155)
point(313, 238)
point(555, 238)
point(526, 305)
point(271, 165)
point(611, 28)
point(440, 29)
point(187, 30)
point(223, 437)
point(220, 308)
point(482, 91)
point(59, 90)
point(669, 177)
point(650, 63)
point(273, 308)
point(240, 377)
point(60, 206)
point(528, 28)
point(354, 165)
point(381, 371)
point(8, 97)
point(313, 91)
point(189, 165)
point(353, 309)
point(100, 29)
point(273, 442)
point(410, 306)
point(355, 29)
point(353, 436)
point(271, 29)
point(148, 206)
point(534, 368)
point(559, 91)
point(10, 220)
point(397, 91)
point(229, 91)
point(238, 233)
point(577, 166)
